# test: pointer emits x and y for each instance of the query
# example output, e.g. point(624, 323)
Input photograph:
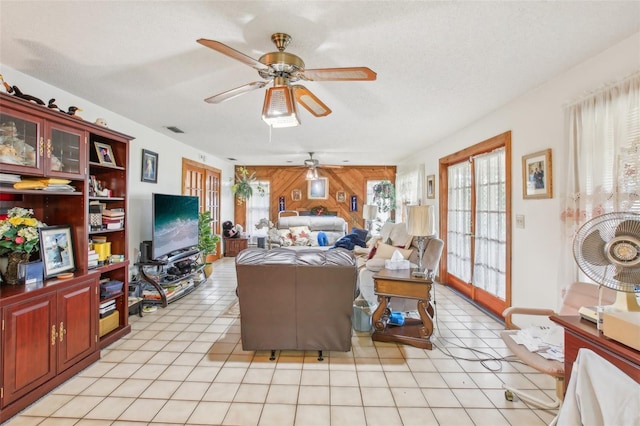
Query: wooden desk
point(579, 333)
point(400, 283)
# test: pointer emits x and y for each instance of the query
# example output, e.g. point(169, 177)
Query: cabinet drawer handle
point(62, 331)
point(53, 335)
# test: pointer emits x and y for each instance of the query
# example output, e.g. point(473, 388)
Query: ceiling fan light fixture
point(279, 109)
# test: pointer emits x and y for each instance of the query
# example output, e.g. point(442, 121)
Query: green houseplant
point(242, 188)
point(207, 240)
point(384, 196)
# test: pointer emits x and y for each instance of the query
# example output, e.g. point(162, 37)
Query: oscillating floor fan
point(607, 250)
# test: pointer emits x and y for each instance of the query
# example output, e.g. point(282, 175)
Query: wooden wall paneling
point(284, 179)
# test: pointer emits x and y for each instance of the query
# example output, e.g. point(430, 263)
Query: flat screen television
point(174, 224)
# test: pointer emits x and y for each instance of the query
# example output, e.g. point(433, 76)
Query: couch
point(304, 230)
point(394, 237)
point(296, 299)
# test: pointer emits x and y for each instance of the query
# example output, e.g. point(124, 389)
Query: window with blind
point(257, 207)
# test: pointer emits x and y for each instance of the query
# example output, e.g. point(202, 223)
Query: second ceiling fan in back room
point(283, 68)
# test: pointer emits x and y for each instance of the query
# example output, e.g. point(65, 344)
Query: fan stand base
point(625, 302)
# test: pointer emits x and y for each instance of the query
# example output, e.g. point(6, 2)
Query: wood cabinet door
point(65, 151)
point(76, 323)
point(22, 142)
point(28, 345)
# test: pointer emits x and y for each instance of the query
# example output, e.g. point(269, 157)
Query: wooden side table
point(233, 246)
point(400, 283)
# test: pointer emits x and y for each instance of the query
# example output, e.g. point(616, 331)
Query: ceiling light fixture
point(279, 109)
point(312, 174)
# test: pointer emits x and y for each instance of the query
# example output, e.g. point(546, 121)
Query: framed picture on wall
point(296, 195)
point(536, 175)
point(431, 186)
point(318, 189)
point(149, 166)
point(341, 196)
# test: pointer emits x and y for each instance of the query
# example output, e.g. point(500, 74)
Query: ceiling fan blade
point(308, 100)
point(593, 249)
point(232, 53)
point(229, 94)
point(339, 74)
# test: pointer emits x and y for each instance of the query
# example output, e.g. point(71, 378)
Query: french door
point(475, 222)
point(204, 182)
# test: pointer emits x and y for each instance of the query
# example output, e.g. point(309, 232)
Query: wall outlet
point(520, 221)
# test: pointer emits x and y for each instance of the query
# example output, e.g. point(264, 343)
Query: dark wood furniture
point(579, 333)
point(400, 283)
point(50, 329)
point(233, 246)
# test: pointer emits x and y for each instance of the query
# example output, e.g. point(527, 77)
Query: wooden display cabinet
point(53, 144)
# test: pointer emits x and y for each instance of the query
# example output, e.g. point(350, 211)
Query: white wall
point(536, 122)
point(170, 154)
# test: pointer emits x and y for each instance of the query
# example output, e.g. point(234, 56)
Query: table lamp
point(421, 223)
point(369, 213)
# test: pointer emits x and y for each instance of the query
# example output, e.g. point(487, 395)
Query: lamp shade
point(421, 221)
point(279, 109)
point(369, 211)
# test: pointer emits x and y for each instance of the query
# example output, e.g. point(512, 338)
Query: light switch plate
point(520, 221)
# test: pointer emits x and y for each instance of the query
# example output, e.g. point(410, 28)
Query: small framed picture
point(149, 166)
point(536, 175)
point(105, 153)
point(318, 189)
point(56, 248)
point(341, 196)
point(296, 195)
point(431, 186)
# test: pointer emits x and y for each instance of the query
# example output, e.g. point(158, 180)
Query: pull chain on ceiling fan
point(283, 68)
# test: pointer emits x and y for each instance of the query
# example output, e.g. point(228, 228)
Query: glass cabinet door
point(19, 137)
point(65, 151)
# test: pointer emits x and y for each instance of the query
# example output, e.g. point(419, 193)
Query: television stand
point(171, 279)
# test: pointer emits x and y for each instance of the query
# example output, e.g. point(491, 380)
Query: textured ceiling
point(440, 65)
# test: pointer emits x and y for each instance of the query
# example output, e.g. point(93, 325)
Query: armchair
point(573, 297)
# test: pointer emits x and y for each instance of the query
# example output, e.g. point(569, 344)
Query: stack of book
point(113, 218)
point(92, 261)
point(107, 308)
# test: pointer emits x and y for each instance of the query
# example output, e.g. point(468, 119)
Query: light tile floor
point(185, 365)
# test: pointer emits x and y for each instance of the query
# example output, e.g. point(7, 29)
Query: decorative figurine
point(72, 112)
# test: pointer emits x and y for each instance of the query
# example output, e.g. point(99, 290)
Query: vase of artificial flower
point(19, 237)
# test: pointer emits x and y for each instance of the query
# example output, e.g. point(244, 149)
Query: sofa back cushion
point(334, 227)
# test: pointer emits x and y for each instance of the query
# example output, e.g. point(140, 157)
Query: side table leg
point(381, 314)
point(427, 322)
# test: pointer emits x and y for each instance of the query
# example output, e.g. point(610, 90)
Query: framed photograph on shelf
point(105, 153)
point(296, 195)
point(431, 186)
point(56, 249)
point(341, 196)
point(536, 175)
point(149, 166)
point(318, 189)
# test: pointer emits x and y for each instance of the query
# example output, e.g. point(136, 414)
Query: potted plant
point(384, 196)
point(242, 188)
point(207, 241)
point(19, 237)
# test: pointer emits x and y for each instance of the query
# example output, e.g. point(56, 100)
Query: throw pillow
point(360, 233)
point(300, 235)
point(285, 238)
point(372, 252)
point(385, 251)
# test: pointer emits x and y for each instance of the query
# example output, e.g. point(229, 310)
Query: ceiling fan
point(283, 68)
point(313, 165)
